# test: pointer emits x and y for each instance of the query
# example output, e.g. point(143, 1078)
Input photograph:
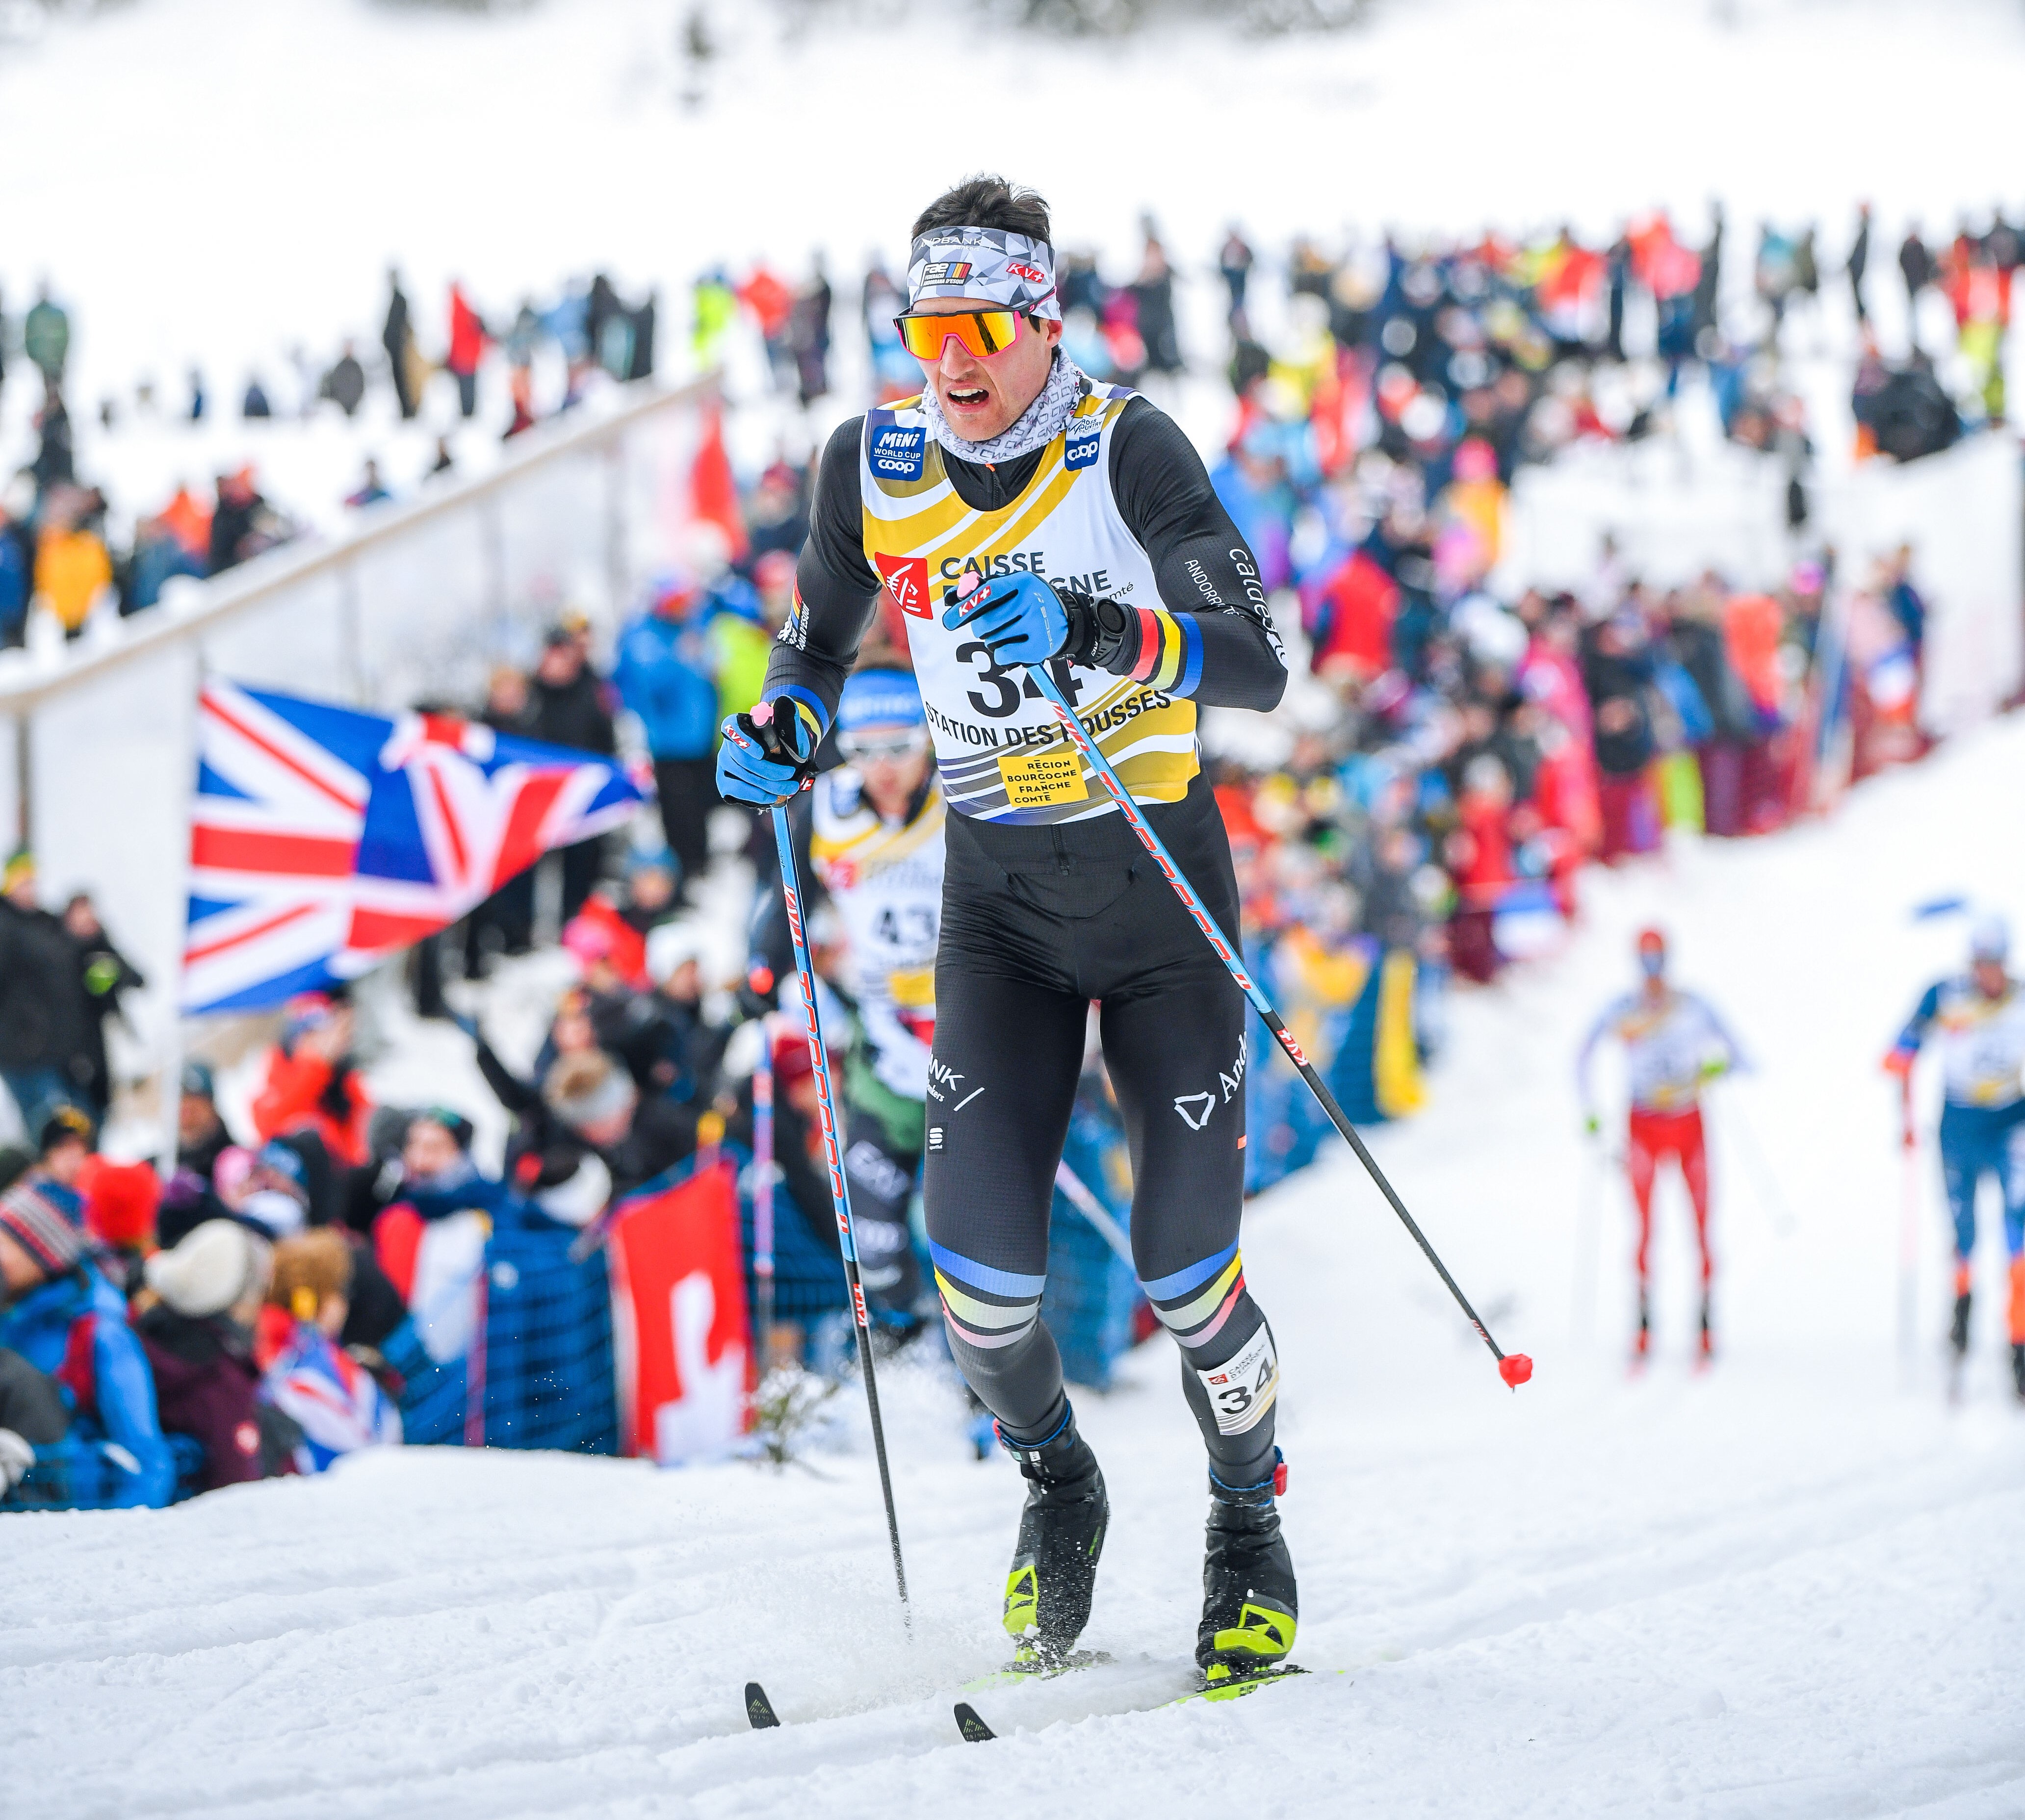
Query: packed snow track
point(1788, 1586)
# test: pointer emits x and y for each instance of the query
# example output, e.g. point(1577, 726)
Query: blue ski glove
point(1019, 615)
point(768, 756)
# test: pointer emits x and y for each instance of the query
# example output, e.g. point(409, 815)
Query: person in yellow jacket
point(71, 571)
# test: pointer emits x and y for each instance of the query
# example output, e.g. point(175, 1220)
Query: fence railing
point(419, 601)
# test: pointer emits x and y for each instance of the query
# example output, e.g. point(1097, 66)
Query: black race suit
point(1038, 921)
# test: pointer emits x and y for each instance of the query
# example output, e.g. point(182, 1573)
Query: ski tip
point(759, 1708)
point(1516, 1369)
point(974, 1729)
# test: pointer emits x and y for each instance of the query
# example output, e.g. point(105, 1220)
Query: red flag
point(680, 1336)
point(713, 490)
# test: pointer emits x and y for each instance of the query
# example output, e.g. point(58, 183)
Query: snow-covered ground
point(1787, 1586)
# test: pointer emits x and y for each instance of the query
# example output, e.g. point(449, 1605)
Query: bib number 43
point(1241, 1390)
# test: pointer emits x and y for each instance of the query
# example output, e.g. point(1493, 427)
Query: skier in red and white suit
point(1675, 1043)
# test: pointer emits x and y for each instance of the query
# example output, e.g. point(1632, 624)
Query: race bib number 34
point(1039, 780)
point(1243, 1390)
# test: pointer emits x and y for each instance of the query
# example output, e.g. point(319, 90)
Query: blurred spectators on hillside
point(1527, 345)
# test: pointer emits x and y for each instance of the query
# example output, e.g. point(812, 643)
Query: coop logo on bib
point(906, 579)
point(1081, 451)
point(898, 454)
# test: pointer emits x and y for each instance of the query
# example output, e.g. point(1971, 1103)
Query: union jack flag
point(322, 839)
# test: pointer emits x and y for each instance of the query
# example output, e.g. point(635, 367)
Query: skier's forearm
point(1226, 654)
point(1915, 1032)
point(1242, 666)
point(836, 589)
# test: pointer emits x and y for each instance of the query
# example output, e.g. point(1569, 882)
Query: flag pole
point(169, 1113)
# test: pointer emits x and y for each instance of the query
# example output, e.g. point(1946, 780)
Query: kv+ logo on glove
point(768, 756)
point(1021, 618)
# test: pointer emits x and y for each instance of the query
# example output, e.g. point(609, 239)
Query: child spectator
point(120, 1203)
point(334, 1402)
point(198, 1335)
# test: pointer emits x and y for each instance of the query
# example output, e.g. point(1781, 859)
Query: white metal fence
point(419, 602)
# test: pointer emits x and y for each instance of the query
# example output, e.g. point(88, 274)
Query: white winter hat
point(581, 1196)
point(1989, 939)
point(671, 945)
point(216, 1264)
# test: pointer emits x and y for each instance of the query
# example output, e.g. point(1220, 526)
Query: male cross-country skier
point(1674, 1043)
point(875, 841)
point(1977, 1021)
point(1018, 512)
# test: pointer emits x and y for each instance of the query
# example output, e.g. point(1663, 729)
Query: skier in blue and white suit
point(1977, 1021)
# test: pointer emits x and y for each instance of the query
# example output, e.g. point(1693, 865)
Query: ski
point(760, 1715)
point(976, 1731)
point(1016, 1674)
point(1238, 1688)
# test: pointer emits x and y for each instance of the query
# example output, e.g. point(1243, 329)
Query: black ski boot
point(1061, 1537)
point(1249, 1604)
point(1958, 1327)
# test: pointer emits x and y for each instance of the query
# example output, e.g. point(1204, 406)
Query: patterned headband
point(987, 263)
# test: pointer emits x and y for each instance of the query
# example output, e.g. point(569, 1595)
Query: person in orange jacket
point(311, 1083)
point(72, 570)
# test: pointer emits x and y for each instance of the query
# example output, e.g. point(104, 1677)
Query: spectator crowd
point(1456, 752)
point(58, 543)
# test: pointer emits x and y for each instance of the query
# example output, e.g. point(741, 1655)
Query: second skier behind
point(1674, 1044)
point(875, 841)
point(1977, 1020)
point(1019, 513)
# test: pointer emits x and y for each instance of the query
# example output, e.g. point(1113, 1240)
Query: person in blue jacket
point(1977, 1022)
point(69, 1360)
point(667, 674)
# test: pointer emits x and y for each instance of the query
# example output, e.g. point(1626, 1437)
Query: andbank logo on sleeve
point(1081, 450)
point(898, 454)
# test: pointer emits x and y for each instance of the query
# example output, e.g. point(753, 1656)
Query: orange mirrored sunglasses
point(984, 333)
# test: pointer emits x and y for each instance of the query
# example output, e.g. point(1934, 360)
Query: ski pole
point(840, 1194)
point(762, 1191)
point(1770, 1195)
point(1515, 1368)
point(1909, 1225)
point(1086, 1203)
point(1588, 1217)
